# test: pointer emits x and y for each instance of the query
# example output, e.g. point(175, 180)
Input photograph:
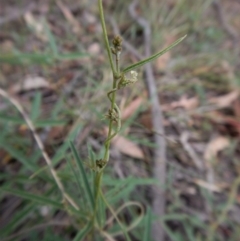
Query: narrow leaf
point(76, 178)
point(46, 123)
point(19, 156)
point(83, 173)
point(148, 225)
point(71, 56)
point(30, 196)
point(82, 233)
point(26, 58)
point(17, 219)
point(36, 106)
point(142, 62)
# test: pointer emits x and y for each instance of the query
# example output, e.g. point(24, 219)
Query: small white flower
point(134, 75)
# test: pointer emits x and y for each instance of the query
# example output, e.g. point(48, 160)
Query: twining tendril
point(114, 115)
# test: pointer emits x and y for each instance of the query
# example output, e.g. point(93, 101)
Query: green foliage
point(47, 58)
point(96, 192)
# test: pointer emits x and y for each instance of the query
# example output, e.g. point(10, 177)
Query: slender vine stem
point(114, 109)
point(105, 36)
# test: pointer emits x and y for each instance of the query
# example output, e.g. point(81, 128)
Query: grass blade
point(36, 106)
point(17, 220)
point(148, 225)
point(83, 173)
point(77, 179)
point(47, 123)
point(19, 155)
point(82, 233)
point(26, 58)
point(30, 196)
point(71, 56)
point(142, 62)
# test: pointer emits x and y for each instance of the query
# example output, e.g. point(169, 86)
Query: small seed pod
point(117, 41)
point(112, 115)
point(117, 44)
point(101, 163)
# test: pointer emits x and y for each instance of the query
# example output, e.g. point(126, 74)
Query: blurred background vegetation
point(52, 61)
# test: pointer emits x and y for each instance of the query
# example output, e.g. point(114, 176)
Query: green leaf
point(30, 196)
point(36, 106)
point(76, 177)
point(19, 156)
point(148, 225)
point(38, 123)
point(60, 153)
point(71, 56)
point(15, 120)
point(46, 123)
point(26, 58)
point(83, 173)
point(142, 62)
point(17, 219)
point(82, 233)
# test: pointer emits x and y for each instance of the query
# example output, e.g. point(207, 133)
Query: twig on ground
point(69, 16)
point(41, 147)
point(159, 161)
point(192, 154)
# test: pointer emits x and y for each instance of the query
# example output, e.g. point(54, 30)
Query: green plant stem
point(115, 71)
point(98, 189)
point(106, 37)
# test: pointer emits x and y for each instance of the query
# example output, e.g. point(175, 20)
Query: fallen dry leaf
point(126, 146)
point(209, 186)
point(214, 146)
point(184, 102)
point(94, 48)
point(56, 132)
point(225, 100)
point(162, 62)
point(219, 118)
point(36, 25)
point(236, 108)
point(146, 120)
point(31, 82)
point(132, 107)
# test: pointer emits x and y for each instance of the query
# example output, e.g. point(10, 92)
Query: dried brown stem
point(40, 146)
